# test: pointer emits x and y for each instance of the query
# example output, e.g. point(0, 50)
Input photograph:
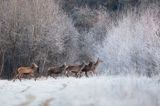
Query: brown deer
point(56, 70)
point(26, 71)
point(74, 69)
point(91, 67)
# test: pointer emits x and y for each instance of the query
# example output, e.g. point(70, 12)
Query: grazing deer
point(74, 69)
point(26, 71)
point(56, 70)
point(91, 67)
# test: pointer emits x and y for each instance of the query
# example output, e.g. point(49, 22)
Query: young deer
point(26, 70)
point(90, 67)
point(56, 70)
point(74, 69)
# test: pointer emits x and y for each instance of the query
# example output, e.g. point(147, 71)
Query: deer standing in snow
point(56, 70)
point(91, 67)
point(74, 69)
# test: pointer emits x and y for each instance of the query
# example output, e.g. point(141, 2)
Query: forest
point(125, 34)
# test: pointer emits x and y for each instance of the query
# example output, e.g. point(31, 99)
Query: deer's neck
point(34, 68)
point(96, 64)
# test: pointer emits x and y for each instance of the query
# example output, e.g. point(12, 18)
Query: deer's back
point(25, 70)
point(87, 67)
point(73, 68)
point(55, 70)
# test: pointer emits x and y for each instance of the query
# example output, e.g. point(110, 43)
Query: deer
point(91, 67)
point(26, 71)
point(56, 70)
point(74, 69)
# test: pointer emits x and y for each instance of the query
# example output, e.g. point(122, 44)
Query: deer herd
point(64, 69)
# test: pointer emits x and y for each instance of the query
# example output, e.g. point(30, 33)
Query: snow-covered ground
point(93, 91)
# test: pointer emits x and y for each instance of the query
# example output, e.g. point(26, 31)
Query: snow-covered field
point(93, 91)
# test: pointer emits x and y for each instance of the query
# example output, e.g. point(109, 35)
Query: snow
point(93, 91)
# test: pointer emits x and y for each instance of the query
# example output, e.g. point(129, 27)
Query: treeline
point(35, 31)
point(38, 31)
point(112, 5)
point(84, 20)
point(51, 32)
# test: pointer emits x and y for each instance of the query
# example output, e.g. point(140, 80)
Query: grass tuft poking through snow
point(93, 91)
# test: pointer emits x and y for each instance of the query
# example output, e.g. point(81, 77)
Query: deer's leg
point(47, 75)
point(67, 74)
point(80, 74)
point(16, 76)
point(55, 76)
point(32, 74)
point(14, 79)
point(36, 76)
point(52, 75)
point(86, 74)
point(76, 75)
point(20, 75)
point(29, 76)
point(94, 73)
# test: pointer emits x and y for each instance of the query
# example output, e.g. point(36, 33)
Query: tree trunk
point(43, 65)
point(2, 63)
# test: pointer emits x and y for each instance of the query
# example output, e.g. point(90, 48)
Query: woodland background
point(125, 34)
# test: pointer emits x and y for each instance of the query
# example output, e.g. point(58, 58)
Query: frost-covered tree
point(35, 31)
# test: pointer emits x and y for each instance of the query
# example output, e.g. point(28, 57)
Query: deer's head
point(65, 65)
point(35, 66)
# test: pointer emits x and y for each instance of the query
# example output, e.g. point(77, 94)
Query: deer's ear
point(84, 62)
point(65, 65)
point(100, 60)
